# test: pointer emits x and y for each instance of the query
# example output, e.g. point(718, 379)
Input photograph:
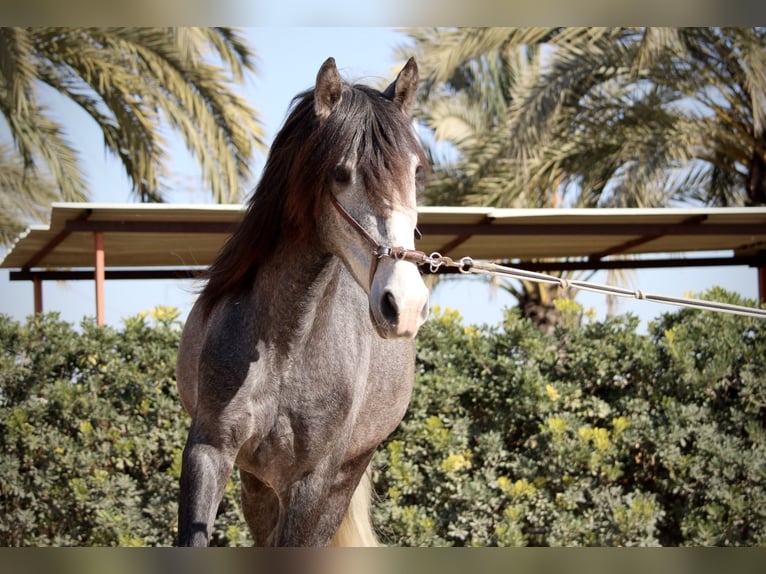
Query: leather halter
point(379, 251)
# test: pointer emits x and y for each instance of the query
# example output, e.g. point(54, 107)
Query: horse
point(297, 359)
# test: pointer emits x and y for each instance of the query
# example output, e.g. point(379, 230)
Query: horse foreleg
point(312, 513)
point(204, 473)
point(261, 508)
point(316, 505)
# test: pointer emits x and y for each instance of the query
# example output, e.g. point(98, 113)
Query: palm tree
point(132, 82)
point(628, 116)
point(645, 117)
point(597, 116)
point(467, 103)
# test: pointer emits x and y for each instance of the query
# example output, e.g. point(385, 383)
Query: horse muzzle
point(398, 299)
point(398, 296)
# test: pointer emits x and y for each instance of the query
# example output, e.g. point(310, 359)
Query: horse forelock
point(369, 130)
point(365, 127)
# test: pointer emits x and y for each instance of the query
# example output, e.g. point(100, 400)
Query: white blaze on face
point(398, 296)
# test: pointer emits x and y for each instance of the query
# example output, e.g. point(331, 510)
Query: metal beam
point(462, 229)
point(111, 274)
point(631, 243)
point(196, 273)
point(594, 229)
point(138, 226)
point(456, 242)
point(56, 241)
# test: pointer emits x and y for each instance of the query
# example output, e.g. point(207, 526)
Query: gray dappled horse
point(297, 360)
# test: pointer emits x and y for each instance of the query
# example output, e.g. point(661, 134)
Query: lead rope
point(467, 265)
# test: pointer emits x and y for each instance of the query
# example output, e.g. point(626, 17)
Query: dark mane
point(364, 125)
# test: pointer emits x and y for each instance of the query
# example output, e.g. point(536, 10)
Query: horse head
point(370, 217)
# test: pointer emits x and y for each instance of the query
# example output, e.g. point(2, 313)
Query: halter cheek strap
point(379, 251)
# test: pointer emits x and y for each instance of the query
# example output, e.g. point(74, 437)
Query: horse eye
point(341, 174)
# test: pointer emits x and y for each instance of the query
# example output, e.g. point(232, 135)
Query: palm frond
point(136, 81)
point(24, 196)
point(43, 148)
point(16, 69)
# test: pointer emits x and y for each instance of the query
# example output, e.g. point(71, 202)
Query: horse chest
point(336, 409)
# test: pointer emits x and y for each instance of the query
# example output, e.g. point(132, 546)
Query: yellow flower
point(552, 393)
point(619, 424)
point(446, 316)
point(456, 462)
point(520, 488)
point(557, 425)
point(599, 437)
point(567, 306)
point(470, 331)
point(165, 313)
point(438, 434)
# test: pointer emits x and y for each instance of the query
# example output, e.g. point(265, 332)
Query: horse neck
point(293, 285)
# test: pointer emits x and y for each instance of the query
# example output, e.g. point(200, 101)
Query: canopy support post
point(100, 276)
point(38, 292)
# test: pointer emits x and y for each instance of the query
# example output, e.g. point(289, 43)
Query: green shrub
point(91, 434)
point(594, 435)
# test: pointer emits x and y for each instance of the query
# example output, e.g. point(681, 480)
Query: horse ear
point(404, 88)
point(328, 87)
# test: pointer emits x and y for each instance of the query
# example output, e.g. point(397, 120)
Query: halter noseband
point(379, 251)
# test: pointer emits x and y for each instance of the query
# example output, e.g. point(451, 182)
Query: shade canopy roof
point(172, 236)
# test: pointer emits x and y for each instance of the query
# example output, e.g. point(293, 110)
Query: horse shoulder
point(389, 388)
point(187, 360)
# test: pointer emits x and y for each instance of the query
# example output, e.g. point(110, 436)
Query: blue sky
point(288, 59)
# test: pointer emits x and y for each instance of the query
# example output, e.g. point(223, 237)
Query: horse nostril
point(389, 309)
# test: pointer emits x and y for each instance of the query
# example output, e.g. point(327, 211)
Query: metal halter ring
point(466, 263)
point(382, 251)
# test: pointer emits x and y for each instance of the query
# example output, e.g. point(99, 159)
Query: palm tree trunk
point(756, 183)
point(536, 304)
